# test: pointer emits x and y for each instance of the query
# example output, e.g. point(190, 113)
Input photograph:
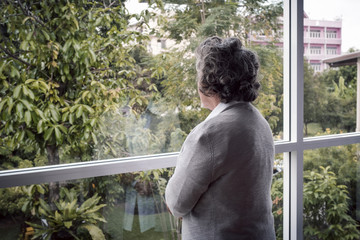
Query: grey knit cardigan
point(221, 185)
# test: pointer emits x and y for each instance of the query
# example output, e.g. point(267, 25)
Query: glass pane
point(277, 195)
point(267, 41)
point(331, 39)
point(106, 84)
point(331, 193)
point(126, 206)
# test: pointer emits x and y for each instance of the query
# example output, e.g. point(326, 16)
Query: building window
point(161, 43)
point(331, 51)
point(316, 50)
point(330, 34)
point(316, 66)
point(315, 33)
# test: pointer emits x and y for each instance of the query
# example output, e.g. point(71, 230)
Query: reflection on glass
point(127, 206)
point(330, 80)
point(331, 193)
point(103, 87)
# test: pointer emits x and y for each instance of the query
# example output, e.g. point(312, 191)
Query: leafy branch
point(20, 60)
point(28, 13)
point(14, 56)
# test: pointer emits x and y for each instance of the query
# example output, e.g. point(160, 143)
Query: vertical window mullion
point(287, 119)
point(293, 118)
point(297, 106)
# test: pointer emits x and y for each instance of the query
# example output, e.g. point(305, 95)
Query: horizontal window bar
point(285, 146)
point(73, 171)
point(331, 140)
point(63, 172)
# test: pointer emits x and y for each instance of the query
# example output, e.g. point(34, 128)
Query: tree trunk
point(53, 159)
point(202, 12)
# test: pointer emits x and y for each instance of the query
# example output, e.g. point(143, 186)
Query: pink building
point(322, 39)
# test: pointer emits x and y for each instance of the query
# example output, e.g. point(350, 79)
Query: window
point(331, 34)
point(161, 43)
point(315, 50)
point(331, 50)
point(314, 33)
point(329, 102)
point(316, 66)
point(138, 142)
point(327, 176)
point(115, 115)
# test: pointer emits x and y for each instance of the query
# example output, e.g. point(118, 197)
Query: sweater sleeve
point(192, 176)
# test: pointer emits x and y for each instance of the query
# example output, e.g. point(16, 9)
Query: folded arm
point(192, 175)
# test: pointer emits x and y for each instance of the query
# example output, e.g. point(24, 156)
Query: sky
point(347, 10)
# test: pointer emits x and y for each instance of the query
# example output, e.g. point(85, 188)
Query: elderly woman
point(221, 185)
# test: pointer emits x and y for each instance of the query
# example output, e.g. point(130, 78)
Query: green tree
point(277, 209)
point(314, 97)
point(270, 100)
point(327, 213)
point(344, 163)
point(338, 107)
point(189, 22)
point(238, 18)
point(326, 208)
point(64, 66)
point(330, 99)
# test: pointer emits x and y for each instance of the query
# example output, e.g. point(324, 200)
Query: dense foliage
point(64, 66)
point(78, 84)
point(326, 206)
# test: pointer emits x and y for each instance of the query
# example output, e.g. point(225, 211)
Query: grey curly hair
point(227, 70)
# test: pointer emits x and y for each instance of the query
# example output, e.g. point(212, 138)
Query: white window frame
point(331, 50)
point(293, 145)
point(161, 43)
point(315, 50)
point(315, 33)
point(331, 34)
point(316, 66)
